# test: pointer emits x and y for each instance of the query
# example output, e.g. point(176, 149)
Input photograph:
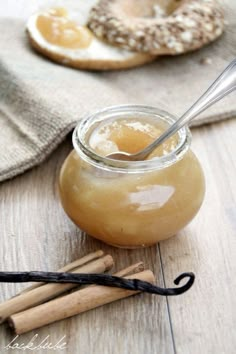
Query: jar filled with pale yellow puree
point(130, 204)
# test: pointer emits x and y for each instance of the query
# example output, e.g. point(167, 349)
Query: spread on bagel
point(61, 34)
point(57, 29)
point(157, 26)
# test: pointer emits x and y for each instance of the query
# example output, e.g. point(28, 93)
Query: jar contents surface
point(129, 135)
point(55, 26)
point(131, 209)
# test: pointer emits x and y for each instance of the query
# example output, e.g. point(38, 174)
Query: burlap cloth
point(40, 102)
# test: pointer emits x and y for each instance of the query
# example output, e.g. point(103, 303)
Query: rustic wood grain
point(36, 234)
point(204, 320)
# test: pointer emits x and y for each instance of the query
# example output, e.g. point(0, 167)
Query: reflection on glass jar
point(130, 204)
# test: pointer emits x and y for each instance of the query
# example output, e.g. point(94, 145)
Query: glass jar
point(131, 204)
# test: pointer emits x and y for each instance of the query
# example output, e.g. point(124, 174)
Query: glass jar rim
point(158, 163)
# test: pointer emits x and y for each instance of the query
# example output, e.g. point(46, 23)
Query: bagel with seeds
point(157, 27)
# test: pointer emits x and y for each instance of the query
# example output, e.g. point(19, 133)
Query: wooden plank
point(37, 235)
point(204, 319)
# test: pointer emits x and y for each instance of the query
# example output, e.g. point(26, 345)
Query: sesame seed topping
point(189, 27)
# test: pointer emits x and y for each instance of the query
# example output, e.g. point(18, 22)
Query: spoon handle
point(221, 87)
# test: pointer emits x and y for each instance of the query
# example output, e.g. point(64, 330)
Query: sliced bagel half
point(61, 35)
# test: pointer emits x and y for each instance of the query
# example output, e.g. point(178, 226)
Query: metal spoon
point(221, 87)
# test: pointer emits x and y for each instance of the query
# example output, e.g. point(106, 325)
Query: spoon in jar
point(221, 87)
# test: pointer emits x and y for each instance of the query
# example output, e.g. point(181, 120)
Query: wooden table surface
point(37, 235)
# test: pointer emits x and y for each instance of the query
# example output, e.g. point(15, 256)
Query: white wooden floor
point(36, 235)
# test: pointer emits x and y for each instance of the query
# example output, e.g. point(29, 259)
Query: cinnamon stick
point(73, 304)
point(48, 291)
point(69, 267)
point(132, 269)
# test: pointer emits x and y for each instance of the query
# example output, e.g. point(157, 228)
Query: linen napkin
point(41, 102)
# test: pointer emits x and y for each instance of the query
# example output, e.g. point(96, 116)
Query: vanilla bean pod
point(98, 279)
